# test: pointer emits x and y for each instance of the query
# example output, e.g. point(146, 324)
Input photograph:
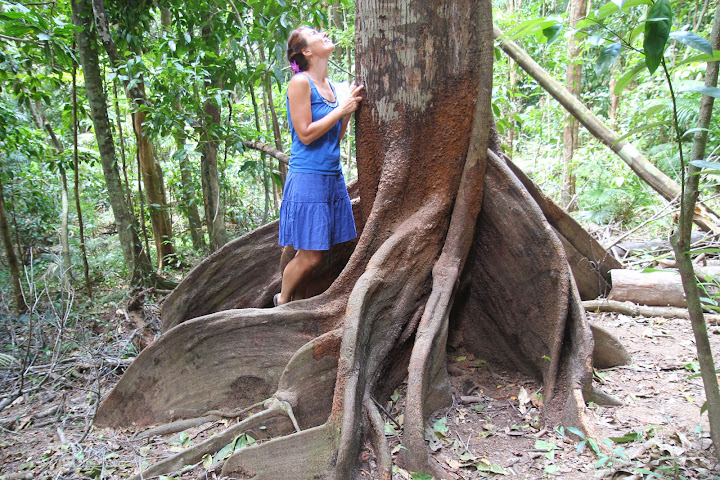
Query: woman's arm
point(301, 112)
point(343, 127)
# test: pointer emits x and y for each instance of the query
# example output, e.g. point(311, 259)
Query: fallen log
point(635, 310)
point(657, 288)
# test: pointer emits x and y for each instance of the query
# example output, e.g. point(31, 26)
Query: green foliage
point(657, 32)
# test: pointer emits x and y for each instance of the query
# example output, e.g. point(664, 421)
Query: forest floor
point(657, 432)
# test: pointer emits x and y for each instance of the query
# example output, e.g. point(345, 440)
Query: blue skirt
point(316, 212)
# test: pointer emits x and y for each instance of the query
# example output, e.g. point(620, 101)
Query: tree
point(151, 171)
point(135, 257)
point(573, 82)
point(214, 207)
point(452, 246)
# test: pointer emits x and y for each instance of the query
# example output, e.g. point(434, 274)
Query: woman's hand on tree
point(350, 104)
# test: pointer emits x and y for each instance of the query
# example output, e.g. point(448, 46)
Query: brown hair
point(296, 43)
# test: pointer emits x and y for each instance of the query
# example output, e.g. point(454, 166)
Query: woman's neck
point(318, 69)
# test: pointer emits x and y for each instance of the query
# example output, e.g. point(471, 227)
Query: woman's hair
point(296, 43)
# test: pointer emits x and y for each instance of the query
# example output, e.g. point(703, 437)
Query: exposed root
point(378, 439)
point(195, 454)
point(182, 425)
point(274, 403)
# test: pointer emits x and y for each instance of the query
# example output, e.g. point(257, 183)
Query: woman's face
point(318, 42)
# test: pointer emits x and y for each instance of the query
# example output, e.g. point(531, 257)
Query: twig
point(390, 417)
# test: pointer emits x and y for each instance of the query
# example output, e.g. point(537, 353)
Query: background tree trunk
point(214, 208)
point(151, 171)
point(135, 257)
point(573, 82)
point(43, 124)
point(188, 199)
point(681, 241)
point(76, 163)
point(12, 259)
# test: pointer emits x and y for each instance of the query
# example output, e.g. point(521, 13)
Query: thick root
point(305, 455)
point(194, 454)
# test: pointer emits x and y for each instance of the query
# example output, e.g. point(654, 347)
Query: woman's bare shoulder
point(299, 80)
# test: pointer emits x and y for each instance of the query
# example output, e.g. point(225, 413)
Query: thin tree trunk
point(135, 258)
point(642, 167)
point(513, 87)
point(43, 124)
point(188, 199)
point(10, 255)
point(76, 162)
point(214, 208)
point(118, 118)
point(573, 82)
point(271, 123)
point(614, 101)
point(152, 174)
point(681, 244)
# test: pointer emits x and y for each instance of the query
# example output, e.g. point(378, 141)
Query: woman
point(315, 212)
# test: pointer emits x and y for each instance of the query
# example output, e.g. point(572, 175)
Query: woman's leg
point(298, 268)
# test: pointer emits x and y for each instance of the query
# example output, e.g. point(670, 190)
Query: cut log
point(657, 288)
point(660, 288)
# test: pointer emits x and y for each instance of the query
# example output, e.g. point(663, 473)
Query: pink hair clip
point(295, 67)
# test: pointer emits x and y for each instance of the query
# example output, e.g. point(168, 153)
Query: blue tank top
point(323, 154)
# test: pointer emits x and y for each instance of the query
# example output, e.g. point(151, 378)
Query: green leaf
point(627, 438)
point(705, 164)
point(552, 33)
point(421, 476)
point(709, 91)
point(577, 432)
point(607, 57)
point(657, 31)
point(441, 426)
point(625, 80)
point(692, 40)
point(704, 408)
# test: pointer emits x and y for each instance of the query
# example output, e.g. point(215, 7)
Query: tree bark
point(76, 162)
point(573, 82)
point(12, 259)
point(135, 257)
point(681, 241)
point(214, 208)
point(404, 288)
point(189, 205)
point(151, 171)
point(642, 167)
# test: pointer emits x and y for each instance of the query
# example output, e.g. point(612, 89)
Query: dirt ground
point(657, 432)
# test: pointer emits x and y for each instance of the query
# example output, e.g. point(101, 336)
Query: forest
point(143, 150)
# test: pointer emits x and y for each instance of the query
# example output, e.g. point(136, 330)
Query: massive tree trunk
point(452, 246)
